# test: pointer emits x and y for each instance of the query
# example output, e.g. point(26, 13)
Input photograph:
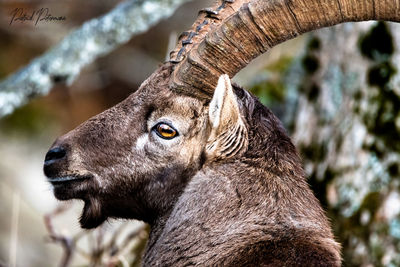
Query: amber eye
point(165, 131)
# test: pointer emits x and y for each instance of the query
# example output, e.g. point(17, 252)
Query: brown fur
point(253, 208)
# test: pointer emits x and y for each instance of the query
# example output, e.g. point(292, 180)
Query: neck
point(226, 207)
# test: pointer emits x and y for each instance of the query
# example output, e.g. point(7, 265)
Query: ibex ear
point(228, 132)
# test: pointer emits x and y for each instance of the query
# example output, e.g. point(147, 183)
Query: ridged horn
point(226, 37)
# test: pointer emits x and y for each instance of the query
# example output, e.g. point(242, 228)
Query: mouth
point(67, 179)
point(67, 187)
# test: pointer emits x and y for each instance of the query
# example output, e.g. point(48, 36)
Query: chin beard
point(92, 215)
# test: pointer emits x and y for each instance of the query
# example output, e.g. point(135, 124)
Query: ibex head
point(133, 160)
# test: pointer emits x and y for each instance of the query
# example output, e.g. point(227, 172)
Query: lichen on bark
point(342, 108)
point(346, 124)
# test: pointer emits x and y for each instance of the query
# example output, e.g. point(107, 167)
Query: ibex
point(206, 164)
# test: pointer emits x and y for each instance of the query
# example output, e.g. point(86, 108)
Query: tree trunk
point(344, 116)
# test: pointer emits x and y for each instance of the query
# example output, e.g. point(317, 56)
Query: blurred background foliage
point(337, 91)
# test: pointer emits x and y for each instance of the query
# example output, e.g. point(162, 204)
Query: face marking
point(142, 141)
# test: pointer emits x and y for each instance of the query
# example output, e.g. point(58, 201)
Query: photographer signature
point(36, 16)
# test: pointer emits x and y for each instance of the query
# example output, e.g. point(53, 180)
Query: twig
point(101, 252)
point(14, 230)
point(112, 244)
point(129, 238)
point(116, 253)
point(67, 243)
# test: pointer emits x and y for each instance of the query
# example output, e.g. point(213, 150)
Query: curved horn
point(225, 38)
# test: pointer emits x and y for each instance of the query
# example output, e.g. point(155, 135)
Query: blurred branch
point(67, 243)
point(14, 230)
point(103, 251)
point(95, 38)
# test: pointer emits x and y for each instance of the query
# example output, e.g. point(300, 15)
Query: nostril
point(55, 154)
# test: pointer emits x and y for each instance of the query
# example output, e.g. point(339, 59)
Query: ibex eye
point(165, 131)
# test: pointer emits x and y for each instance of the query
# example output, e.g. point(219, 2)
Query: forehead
point(180, 107)
point(186, 114)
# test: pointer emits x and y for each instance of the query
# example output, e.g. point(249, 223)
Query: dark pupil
point(166, 130)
